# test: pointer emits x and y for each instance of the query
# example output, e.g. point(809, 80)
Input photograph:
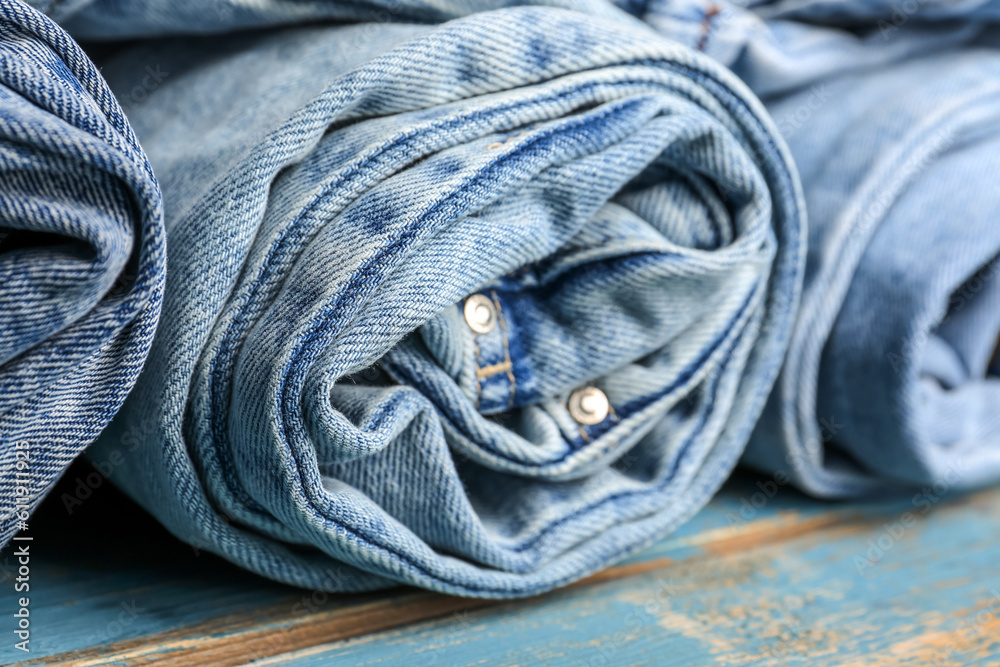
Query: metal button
point(588, 406)
point(480, 314)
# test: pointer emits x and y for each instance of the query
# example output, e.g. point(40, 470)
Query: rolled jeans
point(891, 381)
point(82, 257)
point(401, 254)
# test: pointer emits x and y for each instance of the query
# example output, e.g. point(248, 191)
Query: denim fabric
point(773, 45)
point(315, 406)
point(81, 257)
point(123, 19)
point(776, 56)
point(888, 380)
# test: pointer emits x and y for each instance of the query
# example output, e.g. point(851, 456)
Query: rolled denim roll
point(889, 17)
point(888, 382)
point(81, 257)
point(480, 307)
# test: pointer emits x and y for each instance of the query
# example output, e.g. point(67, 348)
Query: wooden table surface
point(763, 576)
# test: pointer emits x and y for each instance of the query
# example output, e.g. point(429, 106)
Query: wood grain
point(932, 599)
point(754, 579)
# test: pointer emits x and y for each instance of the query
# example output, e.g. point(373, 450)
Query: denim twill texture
point(127, 19)
point(888, 379)
point(81, 257)
point(888, 382)
point(891, 378)
point(315, 406)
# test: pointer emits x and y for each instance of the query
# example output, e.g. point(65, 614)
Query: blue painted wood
point(761, 576)
point(874, 592)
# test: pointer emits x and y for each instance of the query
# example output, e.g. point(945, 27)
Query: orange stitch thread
point(498, 144)
point(506, 350)
point(706, 26)
point(489, 371)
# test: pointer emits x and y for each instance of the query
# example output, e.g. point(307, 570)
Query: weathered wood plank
point(123, 592)
point(929, 596)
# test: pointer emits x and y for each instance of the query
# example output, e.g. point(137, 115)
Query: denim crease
point(315, 406)
point(888, 110)
point(82, 256)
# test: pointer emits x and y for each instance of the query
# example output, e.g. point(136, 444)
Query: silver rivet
point(480, 314)
point(588, 406)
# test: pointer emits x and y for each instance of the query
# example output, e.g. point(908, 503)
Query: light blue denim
point(128, 19)
point(81, 257)
point(890, 110)
point(887, 108)
point(776, 55)
point(773, 45)
point(888, 380)
point(315, 407)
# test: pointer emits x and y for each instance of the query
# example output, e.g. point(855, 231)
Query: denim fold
point(82, 257)
point(891, 380)
point(399, 253)
point(111, 20)
point(781, 48)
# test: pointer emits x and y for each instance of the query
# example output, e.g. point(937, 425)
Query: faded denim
point(889, 382)
point(82, 257)
point(315, 406)
point(892, 374)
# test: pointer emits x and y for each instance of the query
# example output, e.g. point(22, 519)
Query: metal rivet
point(480, 314)
point(588, 406)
